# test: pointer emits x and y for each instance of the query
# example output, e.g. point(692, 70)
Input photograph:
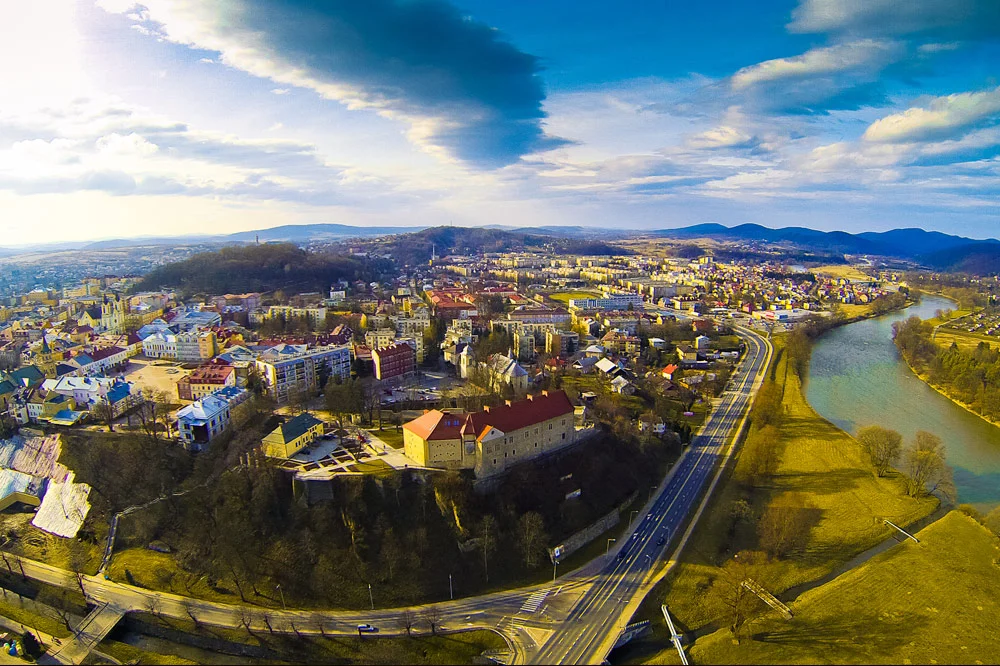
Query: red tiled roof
point(210, 374)
point(436, 424)
point(521, 414)
point(104, 352)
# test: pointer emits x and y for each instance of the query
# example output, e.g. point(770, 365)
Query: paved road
point(593, 624)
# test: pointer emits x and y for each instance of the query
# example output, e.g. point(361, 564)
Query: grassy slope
point(932, 602)
point(849, 272)
point(817, 459)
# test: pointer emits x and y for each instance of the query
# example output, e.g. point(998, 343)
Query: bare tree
point(488, 541)
point(194, 619)
point(784, 526)
point(531, 538)
point(246, 616)
point(407, 618)
point(742, 606)
point(882, 446)
point(925, 467)
point(104, 412)
point(432, 616)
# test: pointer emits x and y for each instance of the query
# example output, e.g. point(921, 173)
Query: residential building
point(561, 343)
point(196, 346)
point(380, 337)
point(160, 345)
point(286, 369)
point(292, 436)
point(613, 302)
point(205, 380)
point(394, 361)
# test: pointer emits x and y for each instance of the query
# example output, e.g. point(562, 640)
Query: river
point(857, 378)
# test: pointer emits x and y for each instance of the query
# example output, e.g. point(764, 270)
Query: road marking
point(532, 603)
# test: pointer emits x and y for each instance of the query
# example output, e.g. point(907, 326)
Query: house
point(701, 342)
point(292, 436)
point(492, 440)
point(669, 371)
point(622, 386)
point(203, 420)
point(687, 354)
point(608, 367)
point(161, 344)
point(594, 351)
point(585, 364)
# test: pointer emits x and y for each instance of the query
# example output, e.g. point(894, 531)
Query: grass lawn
point(390, 436)
point(817, 459)
point(851, 311)
point(932, 602)
point(845, 271)
point(457, 648)
point(371, 467)
point(49, 624)
point(565, 296)
point(965, 341)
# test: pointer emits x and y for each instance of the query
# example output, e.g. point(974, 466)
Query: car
point(635, 536)
point(660, 541)
point(367, 629)
point(649, 516)
point(622, 554)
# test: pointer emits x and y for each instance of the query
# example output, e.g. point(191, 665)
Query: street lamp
point(451, 589)
point(370, 597)
point(555, 563)
point(631, 516)
point(652, 489)
point(608, 551)
point(278, 587)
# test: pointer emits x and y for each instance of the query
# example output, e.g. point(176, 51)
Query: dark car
point(660, 541)
point(622, 554)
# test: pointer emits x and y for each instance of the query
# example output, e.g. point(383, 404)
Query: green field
point(845, 271)
point(457, 648)
point(565, 296)
point(932, 602)
point(390, 436)
point(848, 505)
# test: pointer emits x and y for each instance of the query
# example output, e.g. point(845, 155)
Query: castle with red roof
point(492, 440)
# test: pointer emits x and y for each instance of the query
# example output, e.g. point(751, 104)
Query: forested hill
point(261, 268)
point(416, 247)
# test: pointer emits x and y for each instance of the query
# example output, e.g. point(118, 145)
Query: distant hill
point(975, 258)
point(260, 268)
point(415, 248)
point(306, 232)
point(903, 243)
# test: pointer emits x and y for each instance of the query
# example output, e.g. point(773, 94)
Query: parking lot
point(155, 374)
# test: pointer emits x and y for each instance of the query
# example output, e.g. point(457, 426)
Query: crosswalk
point(536, 599)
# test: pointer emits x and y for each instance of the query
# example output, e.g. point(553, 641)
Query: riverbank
point(821, 472)
point(926, 380)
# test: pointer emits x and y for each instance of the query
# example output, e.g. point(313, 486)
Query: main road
point(593, 624)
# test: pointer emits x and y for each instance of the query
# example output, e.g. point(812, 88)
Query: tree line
point(969, 375)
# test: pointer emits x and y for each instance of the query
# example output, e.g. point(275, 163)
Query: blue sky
point(180, 117)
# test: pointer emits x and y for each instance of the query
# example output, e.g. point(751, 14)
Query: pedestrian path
point(532, 603)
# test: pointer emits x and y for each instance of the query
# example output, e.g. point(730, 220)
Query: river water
point(857, 378)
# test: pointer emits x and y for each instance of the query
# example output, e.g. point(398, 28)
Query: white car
point(367, 629)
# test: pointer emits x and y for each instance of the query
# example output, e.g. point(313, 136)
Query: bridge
point(92, 630)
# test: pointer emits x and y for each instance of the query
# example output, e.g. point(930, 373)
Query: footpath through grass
point(823, 465)
point(932, 602)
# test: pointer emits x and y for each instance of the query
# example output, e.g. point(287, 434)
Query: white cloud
point(723, 136)
point(131, 144)
point(280, 91)
point(942, 117)
point(836, 59)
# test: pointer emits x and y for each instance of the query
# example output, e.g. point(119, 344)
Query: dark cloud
point(421, 59)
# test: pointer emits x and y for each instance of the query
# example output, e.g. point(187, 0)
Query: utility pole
point(370, 597)
point(283, 606)
point(451, 589)
point(555, 563)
